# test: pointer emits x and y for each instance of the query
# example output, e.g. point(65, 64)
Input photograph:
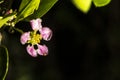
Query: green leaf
point(44, 7)
point(4, 60)
point(83, 5)
point(23, 4)
point(100, 3)
point(27, 7)
point(5, 19)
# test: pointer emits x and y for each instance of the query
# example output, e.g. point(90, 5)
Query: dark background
point(83, 46)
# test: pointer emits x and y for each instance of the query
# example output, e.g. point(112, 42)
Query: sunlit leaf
point(27, 7)
point(83, 5)
point(100, 3)
point(3, 20)
point(44, 7)
point(4, 60)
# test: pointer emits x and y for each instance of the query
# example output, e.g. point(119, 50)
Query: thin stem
point(18, 30)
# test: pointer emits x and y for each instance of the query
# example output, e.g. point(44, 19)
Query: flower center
point(35, 38)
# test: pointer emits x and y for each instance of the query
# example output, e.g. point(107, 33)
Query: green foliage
point(44, 7)
point(4, 20)
point(34, 8)
point(27, 7)
point(4, 60)
point(100, 3)
point(83, 5)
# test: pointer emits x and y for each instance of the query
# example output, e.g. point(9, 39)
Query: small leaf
point(44, 7)
point(83, 5)
point(100, 3)
point(4, 60)
point(5, 19)
point(27, 8)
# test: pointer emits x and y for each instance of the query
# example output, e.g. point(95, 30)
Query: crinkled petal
point(36, 24)
point(46, 33)
point(25, 37)
point(42, 50)
point(31, 51)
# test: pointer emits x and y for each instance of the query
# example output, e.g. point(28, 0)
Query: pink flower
point(42, 50)
point(36, 24)
point(46, 33)
point(33, 38)
point(25, 37)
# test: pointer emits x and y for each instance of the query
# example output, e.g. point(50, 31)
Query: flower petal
point(46, 33)
point(42, 50)
point(36, 24)
point(25, 37)
point(31, 51)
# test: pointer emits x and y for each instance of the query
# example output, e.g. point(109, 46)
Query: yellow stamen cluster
point(35, 38)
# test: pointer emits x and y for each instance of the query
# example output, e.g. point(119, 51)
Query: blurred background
point(83, 46)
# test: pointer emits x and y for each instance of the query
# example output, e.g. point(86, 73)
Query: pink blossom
point(25, 37)
point(36, 24)
point(46, 33)
point(32, 37)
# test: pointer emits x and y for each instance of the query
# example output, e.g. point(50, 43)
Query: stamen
point(35, 38)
